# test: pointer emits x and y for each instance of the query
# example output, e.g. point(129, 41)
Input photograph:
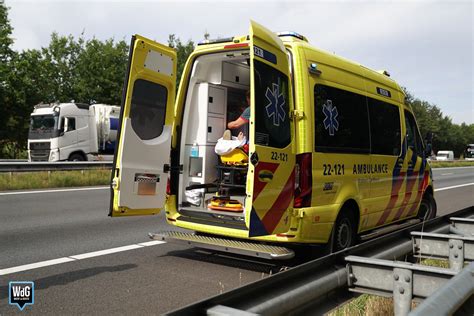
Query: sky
point(426, 46)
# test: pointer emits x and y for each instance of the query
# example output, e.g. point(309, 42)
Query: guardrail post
point(456, 295)
point(456, 254)
point(454, 248)
point(402, 291)
point(402, 280)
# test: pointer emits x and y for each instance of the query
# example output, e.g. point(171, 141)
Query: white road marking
point(452, 168)
point(104, 252)
point(36, 265)
point(54, 190)
point(87, 255)
point(151, 243)
point(446, 174)
point(454, 187)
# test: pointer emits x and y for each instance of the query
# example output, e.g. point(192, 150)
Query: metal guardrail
point(317, 287)
point(57, 166)
point(451, 296)
point(13, 160)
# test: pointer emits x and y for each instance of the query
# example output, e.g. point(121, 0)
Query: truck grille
point(39, 151)
point(39, 155)
point(40, 146)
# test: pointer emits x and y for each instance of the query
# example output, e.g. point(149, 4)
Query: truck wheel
point(427, 208)
point(76, 157)
point(344, 231)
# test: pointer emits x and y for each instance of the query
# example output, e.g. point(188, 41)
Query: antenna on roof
point(384, 72)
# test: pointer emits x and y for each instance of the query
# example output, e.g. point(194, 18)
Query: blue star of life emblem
point(330, 120)
point(276, 105)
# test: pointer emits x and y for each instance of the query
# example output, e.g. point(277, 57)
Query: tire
point(427, 208)
point(344, 232)
point(76, 157)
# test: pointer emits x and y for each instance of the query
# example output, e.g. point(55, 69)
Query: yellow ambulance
point(331, 155)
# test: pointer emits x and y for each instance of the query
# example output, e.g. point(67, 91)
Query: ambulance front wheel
point(344, 232)
point(427, 209)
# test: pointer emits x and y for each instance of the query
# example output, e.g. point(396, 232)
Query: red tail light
point(304, 178)
point(285, 235)
point(168, 188)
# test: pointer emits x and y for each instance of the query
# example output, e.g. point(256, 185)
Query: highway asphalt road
point(148, 279)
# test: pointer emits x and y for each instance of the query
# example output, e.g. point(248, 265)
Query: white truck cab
point(72, 131)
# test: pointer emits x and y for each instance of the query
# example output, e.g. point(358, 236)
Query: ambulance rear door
point(271, 176)
point(139, 175)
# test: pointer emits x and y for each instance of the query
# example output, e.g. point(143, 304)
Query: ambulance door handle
point(265, 175)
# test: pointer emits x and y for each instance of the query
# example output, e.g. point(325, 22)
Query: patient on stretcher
point(231, 149)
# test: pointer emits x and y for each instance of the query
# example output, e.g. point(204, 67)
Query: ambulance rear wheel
point(344, 231)
point(427, 209)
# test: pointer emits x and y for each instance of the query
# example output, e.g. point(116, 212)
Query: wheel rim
point(344, 234)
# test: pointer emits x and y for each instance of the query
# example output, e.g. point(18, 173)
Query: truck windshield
point(469, 151)
point(43, 126)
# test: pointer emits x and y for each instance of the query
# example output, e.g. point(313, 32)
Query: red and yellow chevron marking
point(421, 189)
point(422, 175)
point(276, 211)
point(408, 193)
point(264, 220)
point(397, 182)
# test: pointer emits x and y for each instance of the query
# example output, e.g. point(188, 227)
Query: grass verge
point(373, 305)
point(445, 164)
point(53, 179)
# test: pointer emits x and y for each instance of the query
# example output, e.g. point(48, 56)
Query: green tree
point(29, 84)
point(61, 57)
point(6, 54)
point(100, 71)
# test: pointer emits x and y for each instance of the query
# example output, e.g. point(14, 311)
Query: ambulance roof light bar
point(216, 41)
point(292, 34)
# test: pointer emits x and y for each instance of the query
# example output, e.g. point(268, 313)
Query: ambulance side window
point(385, 133)
point(148, 109)
point(413, 137)
point(341, 121)
point(272, 121)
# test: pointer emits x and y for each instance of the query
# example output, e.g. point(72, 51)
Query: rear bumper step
point(226, 245)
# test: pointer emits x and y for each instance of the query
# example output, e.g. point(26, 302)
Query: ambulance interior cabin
point(216, 95)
